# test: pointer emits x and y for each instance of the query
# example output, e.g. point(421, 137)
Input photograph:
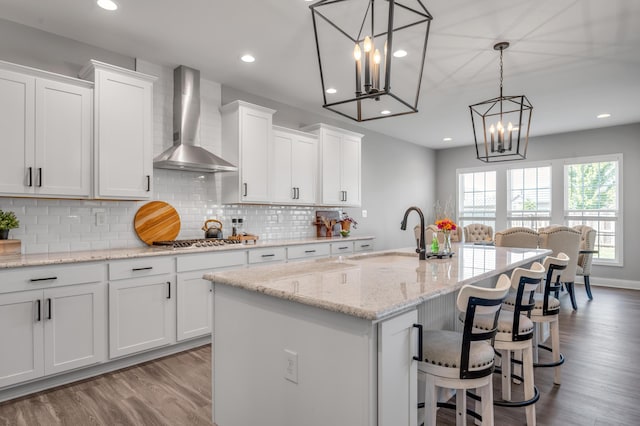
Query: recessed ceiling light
point(605, 115)
point(331, 90)
point(385, 112)
point(248, 58)
point(400, 53)
point(107, 5)
point(447, 139)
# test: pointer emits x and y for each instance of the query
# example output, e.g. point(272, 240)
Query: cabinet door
point(141, 314)
point(397, 371)
point(304, 169)
point(21, 350)
point(63, 139)
point(17, 114)
point(123, 134)
point(255, 138)
point(74, 327)
point(195, 305)
point(350, 170)
point(331, 168)
point(282, 164)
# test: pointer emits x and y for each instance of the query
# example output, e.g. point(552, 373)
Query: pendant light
point(501, 125)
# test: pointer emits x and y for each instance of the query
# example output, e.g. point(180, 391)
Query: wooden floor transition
point(601, 380)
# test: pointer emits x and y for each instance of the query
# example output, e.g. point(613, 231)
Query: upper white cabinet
point(295, 158)
point(123, 135)
point(247, 142)
point(339, 165)
point(46, 124)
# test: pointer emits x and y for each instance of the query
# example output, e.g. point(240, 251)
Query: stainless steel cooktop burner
point(198, 242)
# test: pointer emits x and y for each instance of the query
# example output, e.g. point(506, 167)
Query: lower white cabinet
point(142, 313)
point(49, 331)
point(195, 305)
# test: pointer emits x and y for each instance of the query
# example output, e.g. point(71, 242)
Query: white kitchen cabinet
point(195, 294)
point(142, 314)
point(247, 139)
point(363, 245)
point(47, 136)
point(339, 165)
point(341, 248)
point(295, 158)
point(55, 327)
point(123, 131)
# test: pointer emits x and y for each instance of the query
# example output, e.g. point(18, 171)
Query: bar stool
point(515, 334)
point(546, 310)
point(464, 360)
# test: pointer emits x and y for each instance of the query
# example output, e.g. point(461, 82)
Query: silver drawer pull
point(147, 268)
point(268, 255)
point(342, 248)
point(33, 280)
point(365, 245)
point(309, 251)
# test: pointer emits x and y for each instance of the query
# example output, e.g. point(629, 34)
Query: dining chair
point(563, 239)
point(517, 237)
point(478, 232)
point(585, 255)
point(463, 361)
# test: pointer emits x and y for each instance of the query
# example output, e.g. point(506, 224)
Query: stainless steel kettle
point(214, 231)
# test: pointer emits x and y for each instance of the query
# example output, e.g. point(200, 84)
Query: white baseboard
point(45, 383)
point(611, 282)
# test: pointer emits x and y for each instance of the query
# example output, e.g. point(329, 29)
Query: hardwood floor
point(600, 380)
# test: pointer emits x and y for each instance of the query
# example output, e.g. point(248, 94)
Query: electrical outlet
point(101, 218)
point(291, 366)
point(364, 213)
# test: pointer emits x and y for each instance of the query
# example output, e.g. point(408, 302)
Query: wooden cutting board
point(9, 247)
point(157, 221)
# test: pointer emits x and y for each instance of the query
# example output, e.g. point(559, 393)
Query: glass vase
point(446, 245)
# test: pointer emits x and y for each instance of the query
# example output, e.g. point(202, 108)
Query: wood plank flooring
point(600, 380)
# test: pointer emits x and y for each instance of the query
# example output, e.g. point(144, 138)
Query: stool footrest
point(503, 403)
point(549, 364)
point(453, 407)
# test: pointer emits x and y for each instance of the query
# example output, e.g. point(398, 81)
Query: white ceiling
point(573, 59)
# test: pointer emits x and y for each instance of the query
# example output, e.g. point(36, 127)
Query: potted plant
point(8, 220)
point(346, 222)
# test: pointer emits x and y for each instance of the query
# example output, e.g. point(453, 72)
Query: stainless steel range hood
point(185, 154)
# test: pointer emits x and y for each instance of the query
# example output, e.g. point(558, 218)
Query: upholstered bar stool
point(546, 309)
point(515, 334)
point(562, 239)
point(464, 360)
point(585, 256)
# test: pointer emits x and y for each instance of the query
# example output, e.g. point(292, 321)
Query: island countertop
point(378, 285)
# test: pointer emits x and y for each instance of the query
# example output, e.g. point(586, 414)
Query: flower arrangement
point(446, 225)
point(348, 221)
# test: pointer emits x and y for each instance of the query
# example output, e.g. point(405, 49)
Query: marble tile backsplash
point(70, 225)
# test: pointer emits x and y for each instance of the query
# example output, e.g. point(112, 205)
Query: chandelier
point(371, 55)
point(501, 125)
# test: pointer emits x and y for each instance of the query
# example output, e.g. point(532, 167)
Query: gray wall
point(39, 49)
point(395, 174)
point(609, 140)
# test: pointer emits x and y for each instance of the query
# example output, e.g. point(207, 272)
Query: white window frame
point(491, 220)
point(510, 216)
point(618, 219)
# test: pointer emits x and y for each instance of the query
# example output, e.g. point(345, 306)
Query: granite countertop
point(377, 285)
point(21, 260)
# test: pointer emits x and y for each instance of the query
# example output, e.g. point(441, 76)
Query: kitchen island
point(331, 342)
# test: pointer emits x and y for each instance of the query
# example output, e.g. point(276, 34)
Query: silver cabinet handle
point(246, 189)
point(30, 177)
point(35, 280)
point(40, 177)
point(148, 183)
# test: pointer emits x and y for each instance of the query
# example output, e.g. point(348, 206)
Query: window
point(592, 197)
point(529, 202)
point(477, 198)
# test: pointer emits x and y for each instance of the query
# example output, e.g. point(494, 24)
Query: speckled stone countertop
point(17, 261)
point(377, 285)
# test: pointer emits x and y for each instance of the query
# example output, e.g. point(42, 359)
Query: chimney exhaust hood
point(185, 154)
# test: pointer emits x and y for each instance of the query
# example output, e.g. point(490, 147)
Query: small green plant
point(8, 220)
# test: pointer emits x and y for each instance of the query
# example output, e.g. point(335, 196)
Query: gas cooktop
point(198, 242)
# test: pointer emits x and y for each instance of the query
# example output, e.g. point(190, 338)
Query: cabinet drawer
point(17, 279)
point(195, 262)
point(143, 267)
point(307, 251)
point(341, 248)
point(364, 245)
point(267, 255)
